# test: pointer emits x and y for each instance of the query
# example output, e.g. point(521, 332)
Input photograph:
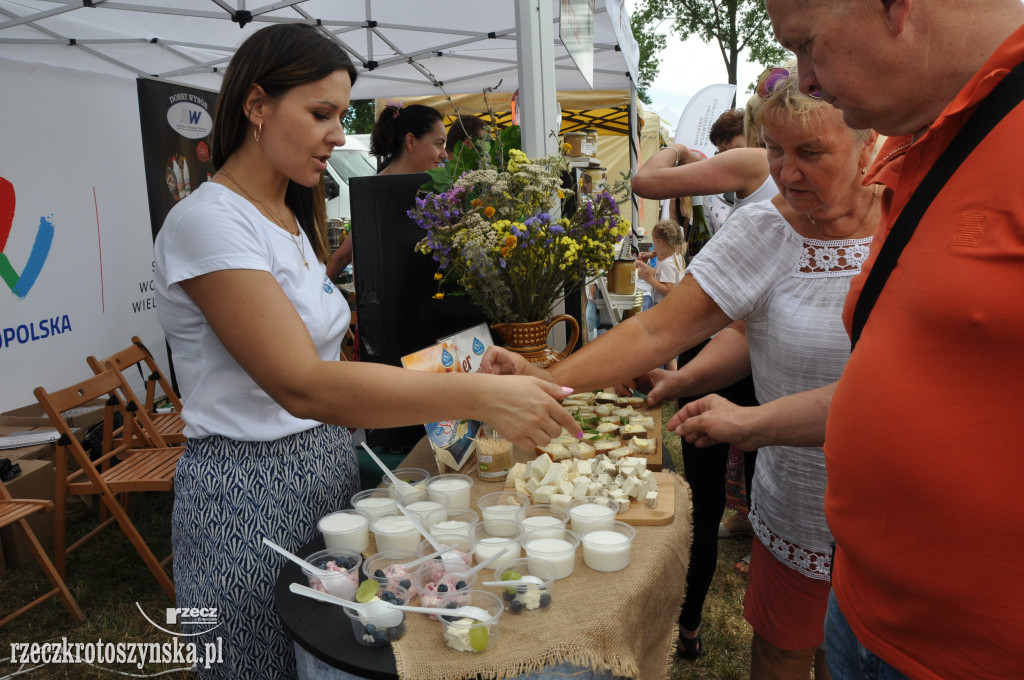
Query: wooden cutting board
point(641, 515)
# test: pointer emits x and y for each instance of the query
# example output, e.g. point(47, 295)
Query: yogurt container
point(559, 551)
point(382, 625)
point(501, 505)
point(507, 535)
point(468, 634)
point(415, 481)
point(376, 503)
point(344, 568)
point(395, 532)
point(591, 511)
point(429, 512)
point(528, 597)
point(457, 522)
point(384, 566)
point(549, 519)
point(455, 487)
point(347, 529)
point(607, 549)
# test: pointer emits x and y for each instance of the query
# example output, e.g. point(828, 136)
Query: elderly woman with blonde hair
point(784, 266)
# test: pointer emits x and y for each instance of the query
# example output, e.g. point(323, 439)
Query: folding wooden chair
point(119, 470)
point(14, 511)
point(168, 426)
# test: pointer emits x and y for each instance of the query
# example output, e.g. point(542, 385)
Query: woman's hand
point(500, 361)
point(715, 420)
point(526, 411)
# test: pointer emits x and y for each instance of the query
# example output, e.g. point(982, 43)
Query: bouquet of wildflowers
point(495, 234)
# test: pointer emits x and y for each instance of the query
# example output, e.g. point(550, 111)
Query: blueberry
point(452, 605)
point(405, 583)
point(515, 606)
point(443, 588)
point(380, 637)
point(393, 634)
point(400, 628)
point(450, 619)
point(508, 597)
point(322, 565)
point(379, 573)
point(387, 596)
point(461, 585)
point(370, 629)
point(545, 600)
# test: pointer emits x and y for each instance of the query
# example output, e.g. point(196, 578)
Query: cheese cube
point(555, 474)
point(651, 499)
point(522, 487)
point(531, 484)
point(542, 494)
point(585, 467)
point(560, 500)
point(581, 487)
point(540, 466)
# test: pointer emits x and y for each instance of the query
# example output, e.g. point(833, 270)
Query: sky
point(686, 68)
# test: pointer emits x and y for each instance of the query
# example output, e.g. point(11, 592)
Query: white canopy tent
point(399, 47)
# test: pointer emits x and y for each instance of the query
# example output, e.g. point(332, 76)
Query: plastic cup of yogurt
point(527, 597)
point(395, 532)
point(383, 625)
point(501, 505)
point(415, 481)
point(428, 512)
point(550, 519)
point(344, 568)
point(457, 522)
point(507, 536)
point(559, 551)
point(433, 589)
point(383, 567)
point(468, 634)
point(591, 511)
point(607, 549)
point(456, 487)
point(376, 503)
point(348, 529)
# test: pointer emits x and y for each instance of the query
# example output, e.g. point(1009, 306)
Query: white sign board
point(700, 114)
point(74, 227)
point(576, 30)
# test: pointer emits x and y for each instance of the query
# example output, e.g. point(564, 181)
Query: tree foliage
point(359, 120)
point(734, 26)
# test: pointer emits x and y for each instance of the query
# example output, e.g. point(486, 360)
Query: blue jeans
point(847, 658)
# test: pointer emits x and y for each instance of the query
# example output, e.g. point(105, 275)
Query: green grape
point(478, 637)
point(367, 590)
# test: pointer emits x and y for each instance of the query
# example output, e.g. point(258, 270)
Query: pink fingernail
point(579, 435)
point(567, 390)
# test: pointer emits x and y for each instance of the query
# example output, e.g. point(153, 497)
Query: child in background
point(668, 246)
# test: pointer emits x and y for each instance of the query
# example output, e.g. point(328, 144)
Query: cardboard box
point(35, 481)
point(14, 425)
point(81, 417)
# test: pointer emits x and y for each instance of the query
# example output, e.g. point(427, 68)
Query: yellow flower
point(561, 194)
point(488, 211)
point(438, 276)
point(438, 296)
point(566, 147)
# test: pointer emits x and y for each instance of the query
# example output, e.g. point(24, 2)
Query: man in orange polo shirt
point(923, 442)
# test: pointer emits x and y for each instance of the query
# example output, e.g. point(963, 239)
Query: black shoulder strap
point(1003, 99)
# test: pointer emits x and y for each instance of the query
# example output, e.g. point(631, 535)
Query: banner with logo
point(176, 124)
point(76, 249)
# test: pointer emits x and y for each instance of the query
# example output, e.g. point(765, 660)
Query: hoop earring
point(257, 132)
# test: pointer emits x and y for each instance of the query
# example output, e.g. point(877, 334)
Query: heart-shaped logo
point(21, 284)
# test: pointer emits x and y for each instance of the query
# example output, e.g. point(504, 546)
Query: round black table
point(324, 630)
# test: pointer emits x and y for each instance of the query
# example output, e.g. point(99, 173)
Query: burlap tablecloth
point(623, 622)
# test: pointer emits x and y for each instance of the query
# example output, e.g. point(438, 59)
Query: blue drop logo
point(478, 347)
point(446, 359)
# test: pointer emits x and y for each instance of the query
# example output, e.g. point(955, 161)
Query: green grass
point(107, 577)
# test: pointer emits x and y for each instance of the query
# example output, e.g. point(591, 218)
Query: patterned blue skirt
point(228, 495)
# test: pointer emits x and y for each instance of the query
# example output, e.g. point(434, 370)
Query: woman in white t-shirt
point(256, 328)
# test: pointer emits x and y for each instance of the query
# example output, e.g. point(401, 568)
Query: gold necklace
point(860, 224)
point(300, 243)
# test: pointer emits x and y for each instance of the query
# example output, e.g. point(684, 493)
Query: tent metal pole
point(535, 47)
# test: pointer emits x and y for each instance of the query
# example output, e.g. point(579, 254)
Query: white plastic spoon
point(369, 609)
point(524, 581)
point(339, 584)
point(401, 487)
point(298, 560)
point(451, 562)
point(378, 612)
point(466, 573)
point(425, 558)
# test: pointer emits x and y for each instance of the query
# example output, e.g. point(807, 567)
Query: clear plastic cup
point(465, 635)
point(607, 549)
point(344, 568)
point(550, 519)
point(508, 537)
point(382, 567)
point(428, 512)
point(380, 628)
point(526, 598)
point(431, 591)
point(559, 551)
point(458, 559)
point(415, 481)
point(347, 529)
point(591, 511)
point(501, 505)
point(457, 522)
point(376, 503)
point(455, 487)
point(395, 532)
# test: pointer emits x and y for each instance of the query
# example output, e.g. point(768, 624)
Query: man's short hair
point(464, 127)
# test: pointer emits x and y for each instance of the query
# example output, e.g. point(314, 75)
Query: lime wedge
point(367, 590)
point(478, 637)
